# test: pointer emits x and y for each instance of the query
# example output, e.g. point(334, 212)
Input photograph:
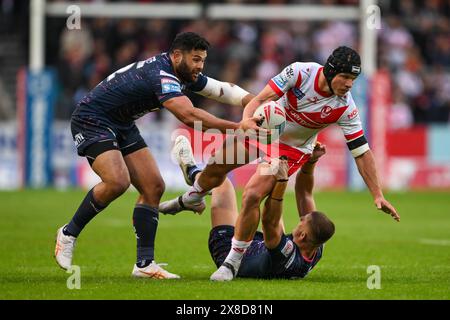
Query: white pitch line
point(436, 242)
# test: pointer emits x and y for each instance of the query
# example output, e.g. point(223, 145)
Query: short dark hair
point(322, 228)
point(188, 41)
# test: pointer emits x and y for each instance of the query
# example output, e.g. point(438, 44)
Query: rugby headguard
point(342, 60)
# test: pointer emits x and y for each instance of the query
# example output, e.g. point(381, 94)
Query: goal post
point(40, 9)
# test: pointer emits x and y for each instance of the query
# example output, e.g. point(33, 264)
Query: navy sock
point(145, 222)
point(192, 172)
point(87, 210)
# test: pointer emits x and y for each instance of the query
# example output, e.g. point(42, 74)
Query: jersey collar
point(316, 85)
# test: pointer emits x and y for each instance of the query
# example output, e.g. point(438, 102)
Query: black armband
point(358, 146)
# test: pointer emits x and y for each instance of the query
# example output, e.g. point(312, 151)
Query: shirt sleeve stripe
point(354, 136)
point(275, 88)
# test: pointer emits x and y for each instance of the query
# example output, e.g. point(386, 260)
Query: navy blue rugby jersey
point(139, 88)
point(284, 261)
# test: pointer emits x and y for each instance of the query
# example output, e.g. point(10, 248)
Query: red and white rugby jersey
point(309, 109)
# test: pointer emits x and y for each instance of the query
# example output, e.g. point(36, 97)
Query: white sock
point(236, 253)
point(194, 193)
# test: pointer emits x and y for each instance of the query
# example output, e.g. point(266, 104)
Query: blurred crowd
point(414, 45)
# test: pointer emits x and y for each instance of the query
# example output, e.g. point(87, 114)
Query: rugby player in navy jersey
point(104, 132)
point(272, 253)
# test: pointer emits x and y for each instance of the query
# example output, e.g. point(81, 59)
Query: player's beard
point(185, 73)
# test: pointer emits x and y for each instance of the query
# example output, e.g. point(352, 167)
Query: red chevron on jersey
point(327, 115)
point(355, 135)
point(292, 99)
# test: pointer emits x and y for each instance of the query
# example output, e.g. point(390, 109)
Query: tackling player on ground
point(272, 253)
point(104, 132)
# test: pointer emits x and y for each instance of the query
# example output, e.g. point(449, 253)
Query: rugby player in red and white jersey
point(313, 97)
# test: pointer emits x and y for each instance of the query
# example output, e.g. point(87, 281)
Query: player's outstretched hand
point(319, 150)
point(385, 206)
point(253, 124)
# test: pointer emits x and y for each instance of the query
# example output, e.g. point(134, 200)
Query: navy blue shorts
point(219, 242)
point(94, 135)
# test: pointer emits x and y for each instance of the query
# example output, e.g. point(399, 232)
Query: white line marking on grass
point(202, 266)
point(435, 242)
point(116, 223)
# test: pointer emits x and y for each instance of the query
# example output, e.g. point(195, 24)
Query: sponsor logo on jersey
point(325, 112)
point(168, 80)
point(353, 114)
point(290, 261)
point(166, 74)
point(289, 72)
point(313, 99)
point(280, 82)
point(284, 77)
point(298, 93)
point(297, 117)
point(169, 85)
point(287, 249)
point(150, 60)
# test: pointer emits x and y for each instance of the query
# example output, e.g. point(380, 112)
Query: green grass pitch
point(413, 255)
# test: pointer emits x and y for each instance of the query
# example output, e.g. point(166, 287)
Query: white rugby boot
point(224, 273)
point(177, 205)
point(153, 271)
point(64, 249)
point(182, 153)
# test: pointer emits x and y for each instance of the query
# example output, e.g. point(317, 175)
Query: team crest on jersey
point(287, 249)
point(326, 111)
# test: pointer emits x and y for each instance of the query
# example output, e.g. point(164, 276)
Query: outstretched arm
point(183, 109)
point(304, 182)
point(367, 169)
point(273, 207)
point(226, 92)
